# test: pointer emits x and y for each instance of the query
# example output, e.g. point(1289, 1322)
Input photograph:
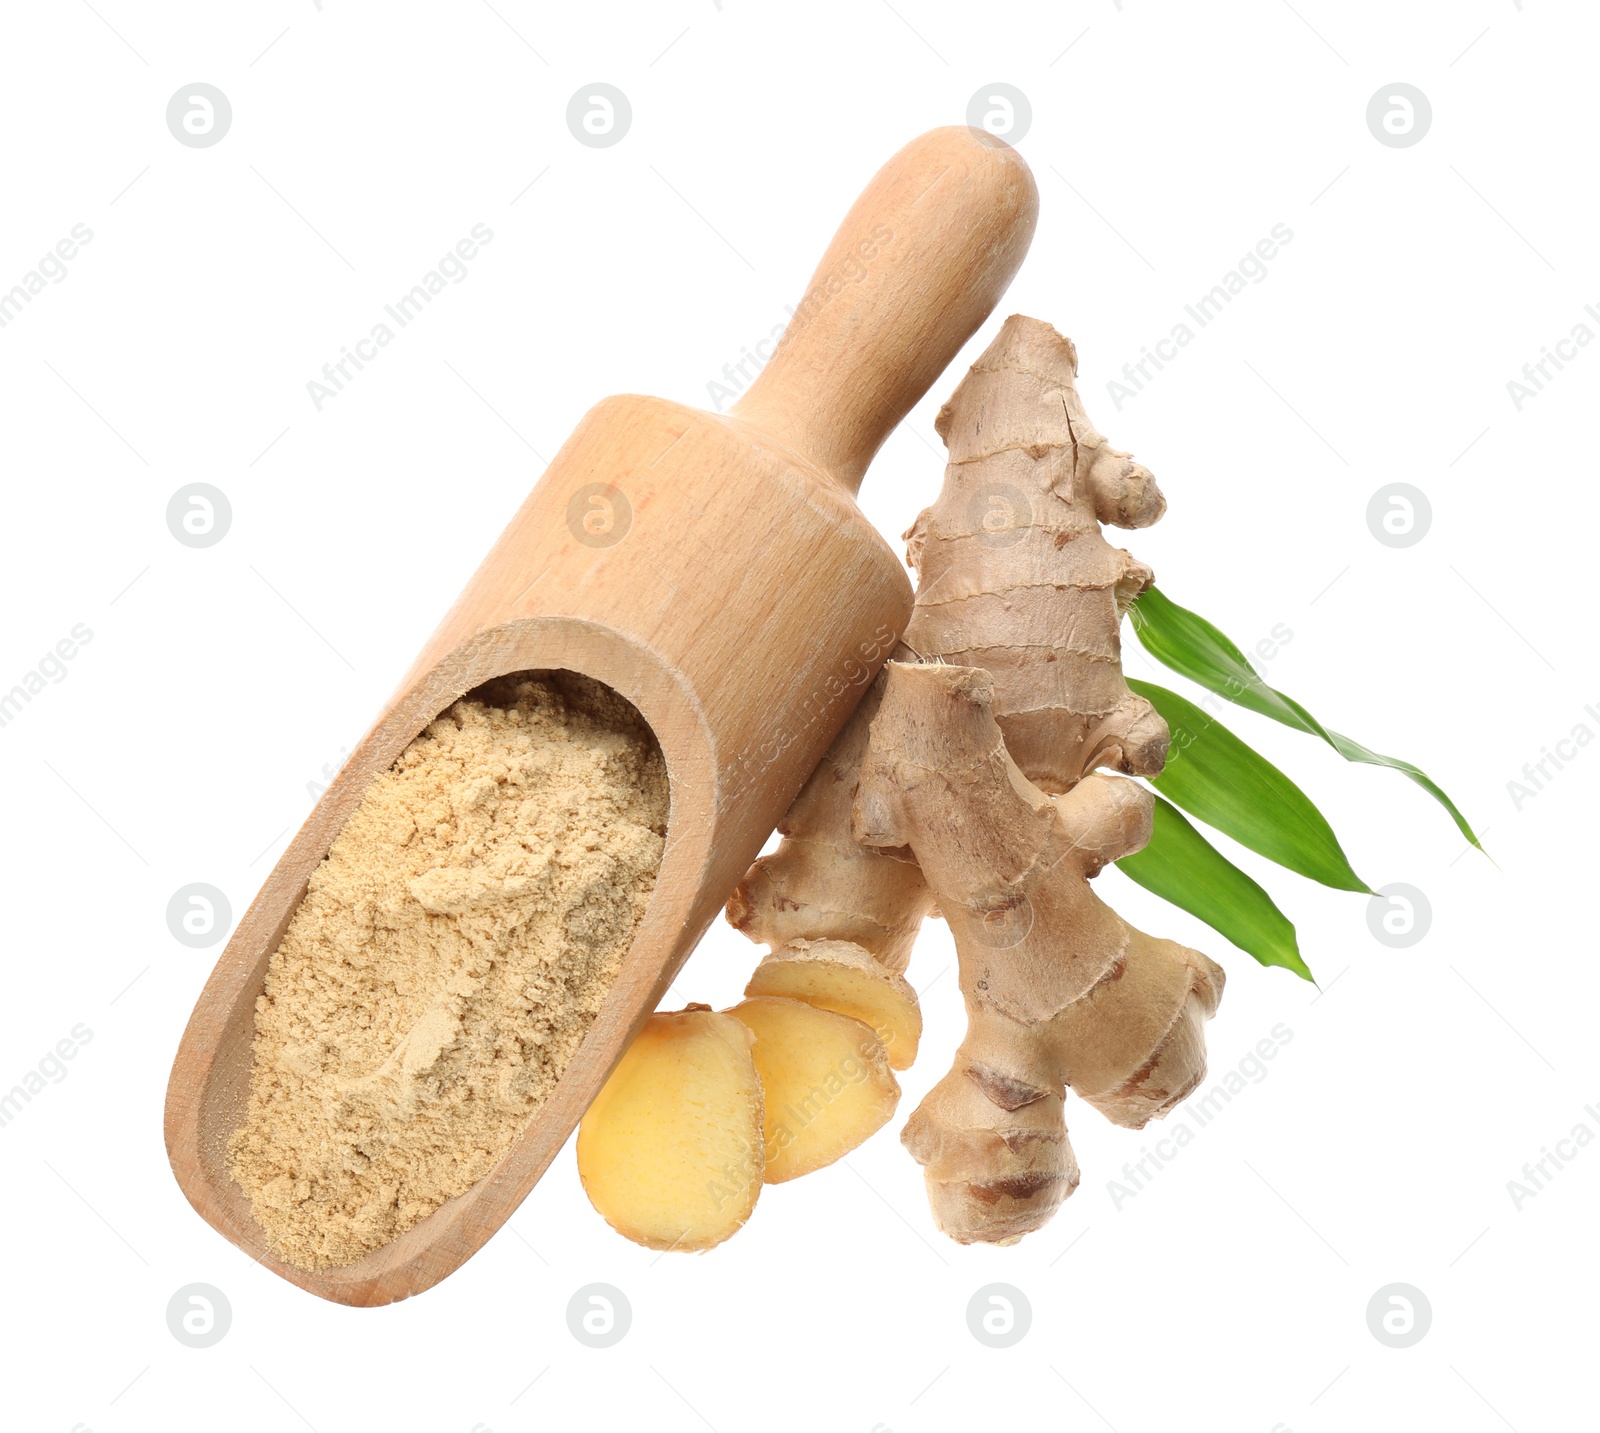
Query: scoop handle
point(921, 259)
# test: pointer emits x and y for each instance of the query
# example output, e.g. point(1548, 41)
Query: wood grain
point(717, 573)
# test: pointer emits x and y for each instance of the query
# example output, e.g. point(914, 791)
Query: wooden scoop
point(716, 572)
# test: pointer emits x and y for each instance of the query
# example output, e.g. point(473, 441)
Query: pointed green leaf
point(1181, 866)
point(1229, 785)
point(1192, 647)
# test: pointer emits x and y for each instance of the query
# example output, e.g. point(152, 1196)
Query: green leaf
point(1181, 866)
point(1192, 647)
point(1215, 776)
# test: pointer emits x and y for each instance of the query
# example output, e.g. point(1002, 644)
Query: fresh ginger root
point(825, 1081)
point(671, 1151)
point(820, 884)
point(840, 920)
point(972, 761)
point(1013, 573)
point(1060, 990)
point(1016, 581)
point(840, 976)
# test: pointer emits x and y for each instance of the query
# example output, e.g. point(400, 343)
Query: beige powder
point(448, 958)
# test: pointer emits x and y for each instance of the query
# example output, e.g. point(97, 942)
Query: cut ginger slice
point(671, 1150)
point(841, 976)
point(826, 1082)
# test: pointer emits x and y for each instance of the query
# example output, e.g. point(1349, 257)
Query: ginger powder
point(448, 958)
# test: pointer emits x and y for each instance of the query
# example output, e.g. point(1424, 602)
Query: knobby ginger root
point(840, 920)
point(1013, 573)
point(671, 1151)
point(1016, 582)
point(1060, 990)
point(840, 976)
point(825, 1080)
point(820, 884)
point(975, 779)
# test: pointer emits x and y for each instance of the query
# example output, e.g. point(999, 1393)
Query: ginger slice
point(671, 1153)
point(839, 975)
point(826, 1081)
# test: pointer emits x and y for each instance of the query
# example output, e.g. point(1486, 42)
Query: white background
point(1230, 1293)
